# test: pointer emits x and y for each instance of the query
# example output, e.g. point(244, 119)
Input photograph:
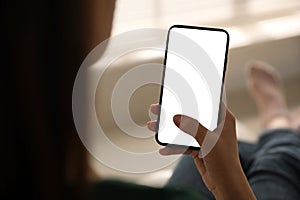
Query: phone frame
point(163, 78)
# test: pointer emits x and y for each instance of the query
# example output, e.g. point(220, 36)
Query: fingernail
point(176, 119)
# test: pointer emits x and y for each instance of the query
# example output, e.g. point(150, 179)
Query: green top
point(115, 189)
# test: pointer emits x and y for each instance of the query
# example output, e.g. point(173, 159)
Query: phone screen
point(194, 68)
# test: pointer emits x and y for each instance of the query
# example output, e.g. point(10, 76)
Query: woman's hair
point(44, 43)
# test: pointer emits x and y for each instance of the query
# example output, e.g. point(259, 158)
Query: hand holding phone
point(193, 76)
point(220, 168)
point(200, 54)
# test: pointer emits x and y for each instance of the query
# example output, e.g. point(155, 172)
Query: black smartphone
point(192, 82)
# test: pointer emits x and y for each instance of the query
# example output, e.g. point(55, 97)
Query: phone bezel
point(163, 78)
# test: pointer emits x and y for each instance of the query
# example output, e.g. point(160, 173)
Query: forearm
point(235, 186)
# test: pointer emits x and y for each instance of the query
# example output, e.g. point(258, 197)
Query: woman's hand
point(218, 161)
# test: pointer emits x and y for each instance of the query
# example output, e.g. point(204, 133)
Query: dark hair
point(44, 43)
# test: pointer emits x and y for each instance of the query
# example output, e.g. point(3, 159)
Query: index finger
point(191, 126)
point(154, 108)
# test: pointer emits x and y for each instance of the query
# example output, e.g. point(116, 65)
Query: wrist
point(234, 185)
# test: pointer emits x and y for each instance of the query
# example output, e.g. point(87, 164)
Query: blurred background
point(43, 44)
point(266, 30)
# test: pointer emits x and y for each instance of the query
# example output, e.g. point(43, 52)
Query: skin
point(220, 169)
point(265, 87)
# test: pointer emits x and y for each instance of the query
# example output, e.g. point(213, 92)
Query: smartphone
point(192, 82)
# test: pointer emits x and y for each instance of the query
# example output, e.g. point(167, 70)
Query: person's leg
point(266, 89)
point(274, 172)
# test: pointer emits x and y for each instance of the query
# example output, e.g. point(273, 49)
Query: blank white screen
point(192, 81)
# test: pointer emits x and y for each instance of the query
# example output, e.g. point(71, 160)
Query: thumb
point(190, 126)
